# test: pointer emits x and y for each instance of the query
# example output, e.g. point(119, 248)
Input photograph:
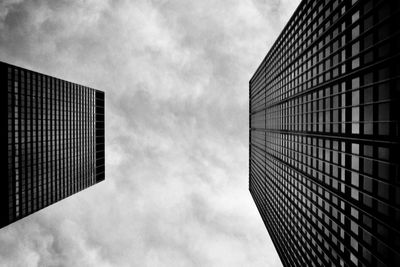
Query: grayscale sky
point(176, 78)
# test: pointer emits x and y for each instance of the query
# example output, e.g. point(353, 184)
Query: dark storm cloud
point(176, 77)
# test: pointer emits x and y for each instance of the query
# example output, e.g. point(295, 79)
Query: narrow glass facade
point(324, 135)
point(53, 144)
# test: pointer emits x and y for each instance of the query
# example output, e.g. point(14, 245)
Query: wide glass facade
point(324, 135)
point(54, 140)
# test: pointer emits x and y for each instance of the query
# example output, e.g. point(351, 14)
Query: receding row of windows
point(54, 186)
point(360, 127)
point(67, 132)
point(71, 99)
point(35, 161)
point(314, 95)
point(59, 137)
point(320, 147)
point(50, 112)
point(51, 141)
point(41, 153)
point(82, 148)
point(59, 184)
point(52, 129)
point(51, 191)
point(355, 93)
point(77, 148)
point(49, 146)
point(48, 85)
point(59, 180)
point(37, 118)
point(21, 99)
point(305, 114)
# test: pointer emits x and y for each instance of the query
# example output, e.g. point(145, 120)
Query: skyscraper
point(53, 145)
point(324, 135)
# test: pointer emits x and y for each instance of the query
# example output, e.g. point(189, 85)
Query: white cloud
point(176, 80)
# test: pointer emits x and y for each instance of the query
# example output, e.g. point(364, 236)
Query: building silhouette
point(52, 140)
point(324, 135)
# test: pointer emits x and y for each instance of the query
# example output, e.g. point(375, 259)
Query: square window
point(368, 128)
point(384, 73)
point(383, 128)
point(383, 153)
point(368, 78)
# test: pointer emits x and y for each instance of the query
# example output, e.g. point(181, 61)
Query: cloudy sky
point(176, 78)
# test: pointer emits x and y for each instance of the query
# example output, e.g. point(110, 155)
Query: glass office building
point(52, 140)
point(324, 135)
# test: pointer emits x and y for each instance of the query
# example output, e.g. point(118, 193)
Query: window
point(355, 48)
point(355, 16)
point(383, 153)
point(355, 114)
point(355, 63)
point(355, 32)
point(367, 184)
point(355, 98)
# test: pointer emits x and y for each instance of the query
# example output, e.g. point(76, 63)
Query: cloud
point(176, 77)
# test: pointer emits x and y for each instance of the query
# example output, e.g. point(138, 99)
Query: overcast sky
point(176, 78)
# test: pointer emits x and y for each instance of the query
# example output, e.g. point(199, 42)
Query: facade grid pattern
point(324, 135)
point(54, 140)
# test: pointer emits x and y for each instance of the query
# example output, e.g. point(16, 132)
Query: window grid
point(324, 127)
point(52, 133)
